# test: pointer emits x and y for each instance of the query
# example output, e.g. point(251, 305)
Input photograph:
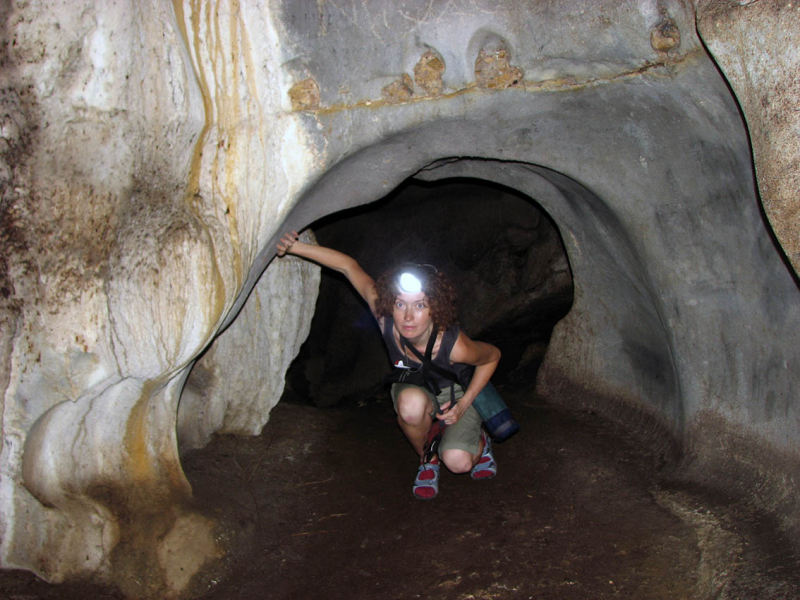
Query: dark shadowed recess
point(502, 251)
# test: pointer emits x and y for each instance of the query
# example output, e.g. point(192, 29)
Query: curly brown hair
point(439, 292)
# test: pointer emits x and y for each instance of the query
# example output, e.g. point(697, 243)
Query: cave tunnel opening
point(501, 249)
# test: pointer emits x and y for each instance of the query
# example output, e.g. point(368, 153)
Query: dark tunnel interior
point(501, 249)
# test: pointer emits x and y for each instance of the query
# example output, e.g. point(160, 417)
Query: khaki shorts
point(464, 435)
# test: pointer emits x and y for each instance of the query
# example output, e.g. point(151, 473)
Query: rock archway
point(153, 153)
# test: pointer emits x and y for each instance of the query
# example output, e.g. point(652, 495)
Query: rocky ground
point(320, 506)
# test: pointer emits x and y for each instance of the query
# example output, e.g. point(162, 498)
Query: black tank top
point(442, 358)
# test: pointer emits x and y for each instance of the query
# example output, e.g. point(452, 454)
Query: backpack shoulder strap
point(427, 362)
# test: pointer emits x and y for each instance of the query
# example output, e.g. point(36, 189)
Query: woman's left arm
point(484, 357)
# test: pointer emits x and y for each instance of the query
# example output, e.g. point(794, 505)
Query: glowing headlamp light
point(414, 278)
point(409, 283)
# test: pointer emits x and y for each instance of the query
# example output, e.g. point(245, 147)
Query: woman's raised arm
point(333, 259)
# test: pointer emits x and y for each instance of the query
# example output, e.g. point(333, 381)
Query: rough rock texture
point(493, 68)
point(428, 73)
point(399, 91)
point(152, 152)
point(757, 45)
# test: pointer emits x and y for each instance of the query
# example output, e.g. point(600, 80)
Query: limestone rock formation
point(239, 378)
point(140, 184)
point(152, 152)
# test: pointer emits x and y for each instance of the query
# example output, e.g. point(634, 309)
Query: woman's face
point(412, 315)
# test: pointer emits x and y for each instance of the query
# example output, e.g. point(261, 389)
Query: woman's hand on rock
point(286, 242)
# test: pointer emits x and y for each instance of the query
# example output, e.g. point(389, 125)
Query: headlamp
point(410, 283)
point(413, 278)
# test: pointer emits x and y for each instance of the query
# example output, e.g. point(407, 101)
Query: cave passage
point(586, 176)
point(580, 507)
point(502, 251)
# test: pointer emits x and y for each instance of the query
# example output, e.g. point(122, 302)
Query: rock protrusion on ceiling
point(428, 73)
point(305, 95)
point(665, 37)
point(493, 68)
point(401, 90)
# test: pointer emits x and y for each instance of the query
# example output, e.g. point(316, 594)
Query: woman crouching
point(415, 306)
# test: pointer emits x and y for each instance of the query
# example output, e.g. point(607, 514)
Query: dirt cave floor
point(320, 506)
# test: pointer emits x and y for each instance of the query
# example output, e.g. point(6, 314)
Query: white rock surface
point(238, 380)
point(147, 160)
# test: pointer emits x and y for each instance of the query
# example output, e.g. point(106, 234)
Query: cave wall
point(152, 152)
point(147, 159)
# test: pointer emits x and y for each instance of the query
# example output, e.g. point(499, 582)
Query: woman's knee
point(458, 461)
point(413, 406)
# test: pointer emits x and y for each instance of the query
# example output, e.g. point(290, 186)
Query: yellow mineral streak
point(140, 466)
point(230, 118)
point(205, 13)
point(153, 477)
point(194, 173)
